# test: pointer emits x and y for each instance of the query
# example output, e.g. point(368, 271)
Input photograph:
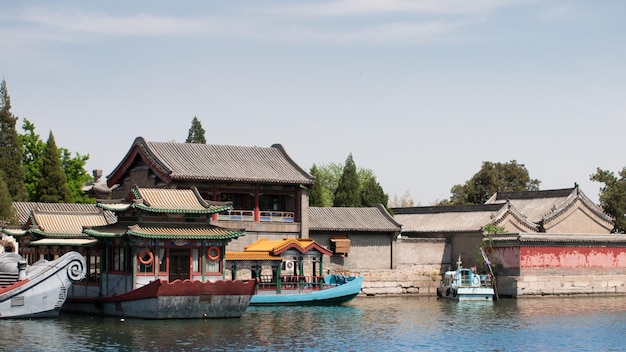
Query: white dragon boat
point(37, 290)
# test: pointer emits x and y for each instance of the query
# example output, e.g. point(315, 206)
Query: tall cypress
point(347, 192)
point(10, 152)
point(196, 132)
point(8, 215)
point(53, 182)
point(372, 193)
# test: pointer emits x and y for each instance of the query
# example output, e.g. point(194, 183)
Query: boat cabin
point(161, 234)
point(288, 264)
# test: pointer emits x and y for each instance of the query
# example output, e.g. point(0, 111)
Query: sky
point(420, 92)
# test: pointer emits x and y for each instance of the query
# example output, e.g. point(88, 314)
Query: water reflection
point(365, 324)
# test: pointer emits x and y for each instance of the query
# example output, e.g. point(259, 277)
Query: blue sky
point(420, 92)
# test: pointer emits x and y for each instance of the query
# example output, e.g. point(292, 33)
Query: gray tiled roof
point(209, 162)
point(456, 218)
point(373, 219)
point(24, 210)
point(547, 205)
point(534, 204)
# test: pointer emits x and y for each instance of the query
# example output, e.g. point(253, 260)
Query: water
point(365, 324)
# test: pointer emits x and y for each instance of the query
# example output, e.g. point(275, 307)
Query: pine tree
point(10, 152)
point(52, 186)
point(196, 132)
point(372, 193)
point(8, 216)
point(347, 192)
point(315, 195)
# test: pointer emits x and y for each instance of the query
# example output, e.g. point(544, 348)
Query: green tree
point(196, 132)
point(316, 194)
point(76, 175)
point(347, 192)
point(52, 187)
point(372, 193)
point(33, 149)
point(613, 195)
point(10, 153)
point(326, 180)
point(492, 178)
point(8, 215)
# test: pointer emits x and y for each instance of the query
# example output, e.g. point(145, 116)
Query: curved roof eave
point(141, 148)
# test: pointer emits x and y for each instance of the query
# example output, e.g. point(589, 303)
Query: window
point(145, 260)
point(118, 259)
point(162, 261)
point(213, 260)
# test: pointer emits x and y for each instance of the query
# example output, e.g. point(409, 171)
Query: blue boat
point(463, 284)
point(290, 272)
point(335, 290)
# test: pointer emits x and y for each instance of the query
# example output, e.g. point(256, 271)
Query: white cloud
point(99, 23)
point(365, 7)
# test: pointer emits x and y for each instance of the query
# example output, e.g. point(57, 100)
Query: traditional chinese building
point(546, 242)
point(267, 189)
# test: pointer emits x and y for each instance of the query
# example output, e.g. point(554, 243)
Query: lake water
point(365, 324)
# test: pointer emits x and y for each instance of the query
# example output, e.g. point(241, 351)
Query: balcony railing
point(264, 216)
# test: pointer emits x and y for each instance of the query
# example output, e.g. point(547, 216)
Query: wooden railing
point(264, 216)
point(293, 282)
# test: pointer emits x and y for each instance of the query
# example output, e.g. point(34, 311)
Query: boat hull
point(466, 293)
point(43, 290)
point(333, 296)
point(178, 300)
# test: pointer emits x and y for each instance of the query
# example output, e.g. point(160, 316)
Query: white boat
point(38, 290)
point(463, 284)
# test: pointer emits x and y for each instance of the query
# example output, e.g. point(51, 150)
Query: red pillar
point(257, 213)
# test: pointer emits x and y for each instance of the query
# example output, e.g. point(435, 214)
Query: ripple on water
point(365, 324)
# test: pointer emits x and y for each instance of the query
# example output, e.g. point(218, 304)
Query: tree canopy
point(613, 195)
point(8, 215)
point(326, 180)
point(347, 192)
point(196, 132)
point(52, 186)
point(365, 191)
point(10, 152)
point(492, 178)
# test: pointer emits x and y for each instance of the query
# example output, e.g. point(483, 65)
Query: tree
point(402, 202)
point(33, 149)
point(52, 185)
point(10, 153)
point(76, 175)
point(371, 191)
point(347, 192)
point(326, 179)
point(613, 195)
point(492, 178)
point(196, 132)
point(8, 215)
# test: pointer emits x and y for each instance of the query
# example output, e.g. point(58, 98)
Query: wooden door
point(179, 265)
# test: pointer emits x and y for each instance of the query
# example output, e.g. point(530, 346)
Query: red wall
point(572, 257)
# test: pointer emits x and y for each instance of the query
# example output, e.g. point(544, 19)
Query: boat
point(334, 290)
point(464, 284)
point(38, 290)
point(290, 273)
point(162, 259)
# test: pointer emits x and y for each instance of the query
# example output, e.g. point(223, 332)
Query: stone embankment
point(398, 282)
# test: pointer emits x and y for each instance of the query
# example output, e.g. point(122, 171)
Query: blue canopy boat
point(290, 272)
point(463, 284)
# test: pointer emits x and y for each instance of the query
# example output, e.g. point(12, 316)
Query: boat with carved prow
point(163, 259)
point(464, 284)
point(290, 273)
point(37, 290)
